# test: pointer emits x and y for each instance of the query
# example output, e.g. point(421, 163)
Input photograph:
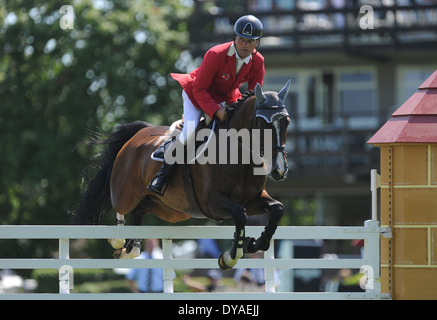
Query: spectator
point(147, 280)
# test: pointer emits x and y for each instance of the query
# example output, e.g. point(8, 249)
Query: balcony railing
point(297, 29)
point(331, 153)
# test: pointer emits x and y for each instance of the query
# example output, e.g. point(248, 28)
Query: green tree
point(58, 84)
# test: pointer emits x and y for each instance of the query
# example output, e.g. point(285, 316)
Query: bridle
point(258, 122)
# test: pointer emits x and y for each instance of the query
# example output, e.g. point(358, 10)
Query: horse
point(222, 190)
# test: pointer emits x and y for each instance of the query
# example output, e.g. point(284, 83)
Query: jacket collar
point(233, 51)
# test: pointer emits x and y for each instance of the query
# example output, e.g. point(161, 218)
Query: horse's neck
point(242, 174)
point(243, 115)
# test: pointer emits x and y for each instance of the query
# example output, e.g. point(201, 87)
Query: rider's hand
point(221, 114)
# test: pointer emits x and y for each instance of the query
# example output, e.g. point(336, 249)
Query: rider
point(217, 81)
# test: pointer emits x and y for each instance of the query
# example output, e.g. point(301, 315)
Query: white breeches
point(191, 113)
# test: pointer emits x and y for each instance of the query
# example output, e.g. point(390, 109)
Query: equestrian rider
point(217, 81)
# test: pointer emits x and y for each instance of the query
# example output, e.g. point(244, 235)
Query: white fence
point(370, 264)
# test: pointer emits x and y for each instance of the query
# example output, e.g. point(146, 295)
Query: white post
point(372, 257)
point(65, 271)
point(167, 272)
point(269, 273)
point(375, 183)
point(372, 251)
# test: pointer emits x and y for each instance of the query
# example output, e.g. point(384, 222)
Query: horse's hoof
point(226, 262)
point(222, 264)
point(135, 252)
point(116, 243)
point(123, 254)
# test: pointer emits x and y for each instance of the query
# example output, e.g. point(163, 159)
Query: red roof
point(431, 82)
point(415, 120)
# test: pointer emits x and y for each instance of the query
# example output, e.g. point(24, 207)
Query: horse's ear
point(284, 91)
point(260, 96)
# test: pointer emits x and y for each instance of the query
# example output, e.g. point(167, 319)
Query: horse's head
point(270, 113)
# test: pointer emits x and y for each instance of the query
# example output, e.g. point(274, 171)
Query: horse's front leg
point(221, 207)
point(275, 210)
point(228, 259)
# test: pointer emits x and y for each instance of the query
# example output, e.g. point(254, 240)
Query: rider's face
point(245, 46)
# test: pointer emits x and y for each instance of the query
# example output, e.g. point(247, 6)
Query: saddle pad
point(158, 154)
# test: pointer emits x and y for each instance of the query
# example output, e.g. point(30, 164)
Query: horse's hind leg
point(118, 243)
point(133, 248)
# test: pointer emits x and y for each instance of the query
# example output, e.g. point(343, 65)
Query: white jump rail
point(370, 232)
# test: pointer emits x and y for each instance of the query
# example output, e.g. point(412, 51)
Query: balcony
point(332, 153)
point(331, 162)
point(312, 26)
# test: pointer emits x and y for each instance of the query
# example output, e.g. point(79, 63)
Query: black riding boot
point(160, 180)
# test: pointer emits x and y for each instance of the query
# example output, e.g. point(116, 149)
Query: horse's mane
point(244, 97)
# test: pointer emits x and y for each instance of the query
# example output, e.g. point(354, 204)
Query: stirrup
point(153, 187)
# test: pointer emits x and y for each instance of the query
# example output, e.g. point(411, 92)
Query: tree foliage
point(58, 84)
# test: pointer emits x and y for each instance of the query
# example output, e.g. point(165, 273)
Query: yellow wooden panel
point(385, 204)
point(434, 246)
point(415, 284)
point(410, 246)
point(385, 163)
point(384, 250)
point(413, 206)
point(410, 165)
point(433, 162)
point(385, 287)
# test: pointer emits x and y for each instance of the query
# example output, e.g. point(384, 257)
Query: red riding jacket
point(215, 80)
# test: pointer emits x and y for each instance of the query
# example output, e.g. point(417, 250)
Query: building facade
point(352, 63)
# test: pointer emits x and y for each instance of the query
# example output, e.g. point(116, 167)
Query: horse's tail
point(95, 201)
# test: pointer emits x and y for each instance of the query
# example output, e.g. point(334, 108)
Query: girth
point(195, 210)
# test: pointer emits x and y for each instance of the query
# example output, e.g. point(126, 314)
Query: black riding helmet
point(249, 27)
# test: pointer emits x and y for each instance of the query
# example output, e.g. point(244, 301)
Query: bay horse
point(222, 190)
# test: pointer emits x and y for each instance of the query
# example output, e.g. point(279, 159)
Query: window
point(409, 79)
point(357, 94)
point(324, 98)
